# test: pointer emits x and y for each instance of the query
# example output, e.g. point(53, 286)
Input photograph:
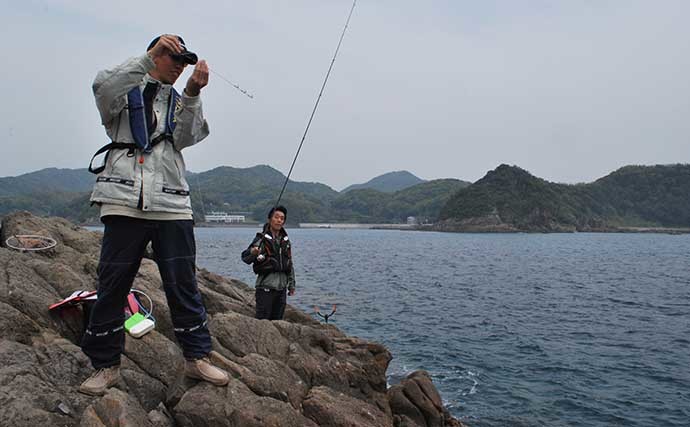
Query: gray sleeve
point(111, 86)
point(191, 126)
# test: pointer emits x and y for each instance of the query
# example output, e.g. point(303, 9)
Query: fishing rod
point(316, 105)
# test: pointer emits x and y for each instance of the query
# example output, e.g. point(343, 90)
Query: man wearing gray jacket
point(144, 197)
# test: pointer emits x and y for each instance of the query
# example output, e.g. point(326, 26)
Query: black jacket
point(273, 265)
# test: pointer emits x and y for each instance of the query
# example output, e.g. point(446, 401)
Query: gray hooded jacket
point(158, 178)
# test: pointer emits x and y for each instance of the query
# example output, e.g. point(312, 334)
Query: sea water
point(515, 329)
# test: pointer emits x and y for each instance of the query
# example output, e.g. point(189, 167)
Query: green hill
point(251, 191)
point(510, 199)
point(78, 209)
point(254, 190)
point(39, 203)
point(388, 183)
point(46, 181)
point(422, 201)
point(656, 195)
point(44, 192)
point(506, 199)
point(65, 193)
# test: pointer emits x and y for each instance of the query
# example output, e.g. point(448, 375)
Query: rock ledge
point(297, 372)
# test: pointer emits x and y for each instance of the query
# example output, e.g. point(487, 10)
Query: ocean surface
point(515, 329)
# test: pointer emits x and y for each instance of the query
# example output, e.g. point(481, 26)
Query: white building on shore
point(224, 217)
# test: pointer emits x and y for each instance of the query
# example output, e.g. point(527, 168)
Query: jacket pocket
point(120, 166)
point(173, 198)
point(114, 189)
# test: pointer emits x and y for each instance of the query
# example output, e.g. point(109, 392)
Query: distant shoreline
point(356, 226)
point(431, 227)
point(227, 225)
point(664, 230)
point(509, 230)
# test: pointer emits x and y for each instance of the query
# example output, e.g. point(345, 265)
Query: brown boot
point(100, 380)
point(201, 369)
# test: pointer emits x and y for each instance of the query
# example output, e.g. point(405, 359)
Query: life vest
point(277, 254)
point(138, 127)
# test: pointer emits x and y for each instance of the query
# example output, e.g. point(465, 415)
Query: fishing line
point(249, 95)
point(198, 184)
point(316, 105)
point(201, 196)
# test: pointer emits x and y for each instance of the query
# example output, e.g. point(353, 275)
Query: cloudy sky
point(567, 89)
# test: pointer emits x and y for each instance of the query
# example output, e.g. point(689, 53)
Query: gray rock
point(235, 405)
point(416, 402)
point(160, 417)
point(296, 372)
point(328, 407)
point(116, 409)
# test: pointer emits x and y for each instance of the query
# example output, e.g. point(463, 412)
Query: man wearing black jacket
point(270, 253)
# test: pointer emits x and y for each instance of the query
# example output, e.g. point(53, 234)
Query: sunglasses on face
point(180, 59)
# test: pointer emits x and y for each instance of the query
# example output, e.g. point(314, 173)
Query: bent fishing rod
point(316, 105)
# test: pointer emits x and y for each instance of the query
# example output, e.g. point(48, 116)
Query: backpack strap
point(137, 124)
point(174, 102)
point(106, 149)
point(137, 119)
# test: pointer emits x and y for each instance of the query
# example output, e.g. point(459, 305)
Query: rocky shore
point(296, 372)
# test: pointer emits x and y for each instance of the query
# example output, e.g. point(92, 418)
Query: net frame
point(30, 242)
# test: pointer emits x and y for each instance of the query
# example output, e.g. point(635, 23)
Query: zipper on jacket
point(140, 205)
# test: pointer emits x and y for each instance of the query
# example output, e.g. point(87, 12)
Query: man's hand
point(167, 43)
point(254, 250)
point(291, 292)
point(198, 79)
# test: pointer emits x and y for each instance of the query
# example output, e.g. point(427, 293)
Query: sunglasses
point(180, 59)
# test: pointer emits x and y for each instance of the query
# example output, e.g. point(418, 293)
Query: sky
point(569, 90)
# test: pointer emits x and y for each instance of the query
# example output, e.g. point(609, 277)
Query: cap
point(186, 55)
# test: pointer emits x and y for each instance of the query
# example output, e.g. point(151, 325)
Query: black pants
point(270, 303)
point(124, 242)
